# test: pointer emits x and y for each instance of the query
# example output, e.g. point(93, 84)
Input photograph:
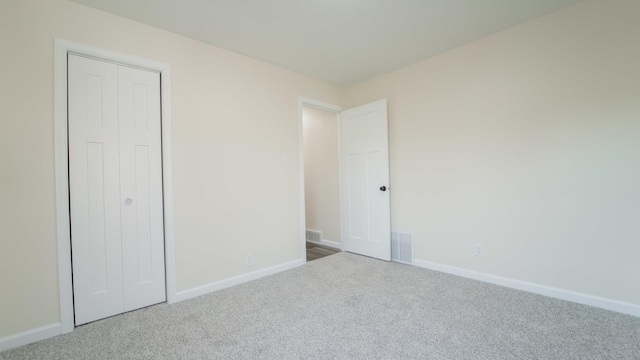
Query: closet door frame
point(62, 49)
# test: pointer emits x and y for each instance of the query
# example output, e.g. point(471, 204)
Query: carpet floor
point(346, 306)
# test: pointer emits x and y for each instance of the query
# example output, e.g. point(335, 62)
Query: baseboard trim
point(30, 336)
point(580, 298)
point(329, 243)
point(236, 280)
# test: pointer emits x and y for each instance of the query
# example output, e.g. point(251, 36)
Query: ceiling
point(344, 42)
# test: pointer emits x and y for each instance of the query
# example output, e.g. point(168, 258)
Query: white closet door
point(94, 181)
point(115, 179)
point(141, 187)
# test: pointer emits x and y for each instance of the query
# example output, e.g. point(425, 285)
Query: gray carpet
point(351, 307)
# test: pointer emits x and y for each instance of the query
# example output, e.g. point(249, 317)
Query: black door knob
point(383, 188)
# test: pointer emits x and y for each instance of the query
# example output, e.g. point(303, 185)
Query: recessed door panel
point(143, 215)
point(356, 195)
point(96, 214)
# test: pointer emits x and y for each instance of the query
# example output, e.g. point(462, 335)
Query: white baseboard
point(236, 280)
point(30, 336)
point(580, 298)
point(331, 244)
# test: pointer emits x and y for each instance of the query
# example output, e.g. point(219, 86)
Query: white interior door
point(115, 181)
point(365, 177)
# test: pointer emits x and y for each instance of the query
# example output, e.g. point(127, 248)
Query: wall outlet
point(249, 260)
point(285, 159)
point(479, 249)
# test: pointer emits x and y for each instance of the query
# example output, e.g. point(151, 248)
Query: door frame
point(62, 49)
point(305, 102)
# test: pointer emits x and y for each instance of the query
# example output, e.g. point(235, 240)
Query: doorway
point(362, 142)
point(320, 137)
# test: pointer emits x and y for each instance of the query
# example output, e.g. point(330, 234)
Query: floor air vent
point(401, 247)
point(313, 235)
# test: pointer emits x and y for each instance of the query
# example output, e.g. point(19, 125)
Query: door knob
point(128, 201)
point(383, 188)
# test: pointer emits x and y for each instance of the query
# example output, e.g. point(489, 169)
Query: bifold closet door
point(115, 183)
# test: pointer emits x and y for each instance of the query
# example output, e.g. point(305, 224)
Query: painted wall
point(321, 182)
point(526, 141)
point(233, 118)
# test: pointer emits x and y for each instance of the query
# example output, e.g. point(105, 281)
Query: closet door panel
point(141, 187)
point(94, 180)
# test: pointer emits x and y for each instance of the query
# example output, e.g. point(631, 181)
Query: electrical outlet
point(285, 159)
point(479, 249)
point(249, 260)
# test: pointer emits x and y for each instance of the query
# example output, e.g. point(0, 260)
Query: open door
point(365, 180)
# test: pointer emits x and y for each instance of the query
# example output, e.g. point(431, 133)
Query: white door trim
point(62, 48)
point(302, 102)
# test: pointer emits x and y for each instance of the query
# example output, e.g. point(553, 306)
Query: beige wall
point(233, 118)
point(527, 141)
point(321, 191)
